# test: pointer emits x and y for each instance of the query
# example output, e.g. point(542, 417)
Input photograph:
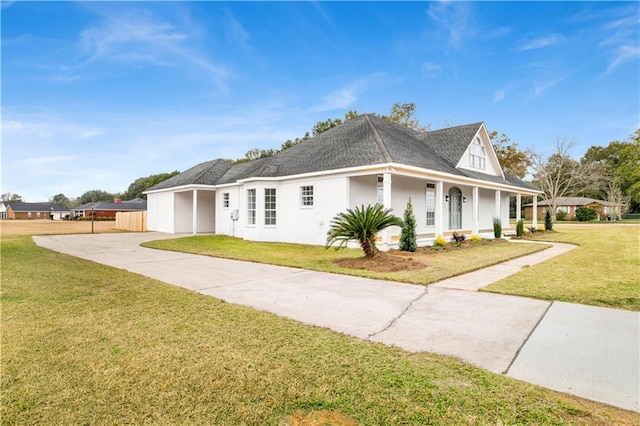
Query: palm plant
point(361, 224)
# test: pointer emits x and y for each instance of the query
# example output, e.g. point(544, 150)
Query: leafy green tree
point(61, 200)
point(405, 114)
point(138, 186)
point(361, 224)
point(323, 126)
point(11, 198)
point(408, 234)
point(513, 161)
point(96, 195)
point(620, 162)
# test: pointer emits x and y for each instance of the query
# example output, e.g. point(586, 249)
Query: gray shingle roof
point(207, 173)
point(36, 207)
point(452, 142)
point(365, 140)
point(122, 206)
point(573, 201)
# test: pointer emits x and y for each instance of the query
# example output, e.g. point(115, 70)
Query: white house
point(452, 176)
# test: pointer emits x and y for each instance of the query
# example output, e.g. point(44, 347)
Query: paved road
point(583, 350)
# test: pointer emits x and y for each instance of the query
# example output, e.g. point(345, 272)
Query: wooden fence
point(132, 221)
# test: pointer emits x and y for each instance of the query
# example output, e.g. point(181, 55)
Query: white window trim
point(430, 190)
point(479, 154)
point(254, 209)
point(274, 209)
point(308, 196)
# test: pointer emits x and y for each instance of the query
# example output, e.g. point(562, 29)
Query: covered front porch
point(441, 207)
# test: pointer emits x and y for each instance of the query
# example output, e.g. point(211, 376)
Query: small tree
point(362, 225)
point(408, 235)
point(548, 223)
point(497, 227)
point(520, 228)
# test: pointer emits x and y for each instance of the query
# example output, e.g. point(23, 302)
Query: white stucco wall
point(160, 212)
point(294, 222)
point(206, 211)
point(362, 190)
point(183, 208)
point(309, 224)
point(492, 166)
point(224, 224)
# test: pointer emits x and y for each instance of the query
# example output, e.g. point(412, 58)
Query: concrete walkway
point(583, 350)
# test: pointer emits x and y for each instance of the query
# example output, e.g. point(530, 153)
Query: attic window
point(477, 156)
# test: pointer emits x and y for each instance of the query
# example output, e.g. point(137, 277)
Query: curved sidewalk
point(583, 350)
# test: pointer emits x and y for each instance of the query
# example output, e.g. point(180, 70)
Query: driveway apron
point(536, 341)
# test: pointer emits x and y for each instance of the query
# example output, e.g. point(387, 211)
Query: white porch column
point(535, 211)
point(439, 219)
point(194, 217)
point(386, 202)
point(496, 211)
point(518, 206)
point(475, 202)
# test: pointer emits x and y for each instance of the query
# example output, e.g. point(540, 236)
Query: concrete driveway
point(583, 350)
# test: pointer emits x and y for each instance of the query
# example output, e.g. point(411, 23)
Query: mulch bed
point(395, 260)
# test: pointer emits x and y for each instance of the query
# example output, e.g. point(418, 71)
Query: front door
point(455, 208)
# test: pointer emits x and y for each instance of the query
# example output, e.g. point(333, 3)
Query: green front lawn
point(433, 265)
point(84, 343)
point(603, 271)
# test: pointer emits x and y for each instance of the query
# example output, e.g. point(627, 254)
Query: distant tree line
point(609, 172)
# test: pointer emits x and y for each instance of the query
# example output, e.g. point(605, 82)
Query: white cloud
point(431, 69)
point(623, 54)
point(43, 161)
point(541, 42)
point(548, 83)
point(138, 37)
point(455, 17)
point(498, 96)
point(340, 99)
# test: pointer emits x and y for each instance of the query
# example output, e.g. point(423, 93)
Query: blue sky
point(97, 94)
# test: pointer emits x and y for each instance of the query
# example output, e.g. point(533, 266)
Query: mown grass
point(603, 271)
point(84, 343)
point(438, 265)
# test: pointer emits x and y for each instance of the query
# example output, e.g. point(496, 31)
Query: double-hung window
point(306, 196)
point(251, 206)
point(431, 204)
point(270, 206)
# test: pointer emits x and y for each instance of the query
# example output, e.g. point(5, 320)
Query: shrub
point(408, 235)
point(439, 242)
point(497, 227)
point(361, 224)
point(475, 238)
point(561, 215)
point(520, 228)
point(548, 223)
point(585, 214)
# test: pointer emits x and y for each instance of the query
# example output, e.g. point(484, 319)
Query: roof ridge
point(379, 142)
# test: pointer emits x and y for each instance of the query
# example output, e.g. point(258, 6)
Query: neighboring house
point(452, 176)
point(108, 210)
point(604, 209)
point(10, 210)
